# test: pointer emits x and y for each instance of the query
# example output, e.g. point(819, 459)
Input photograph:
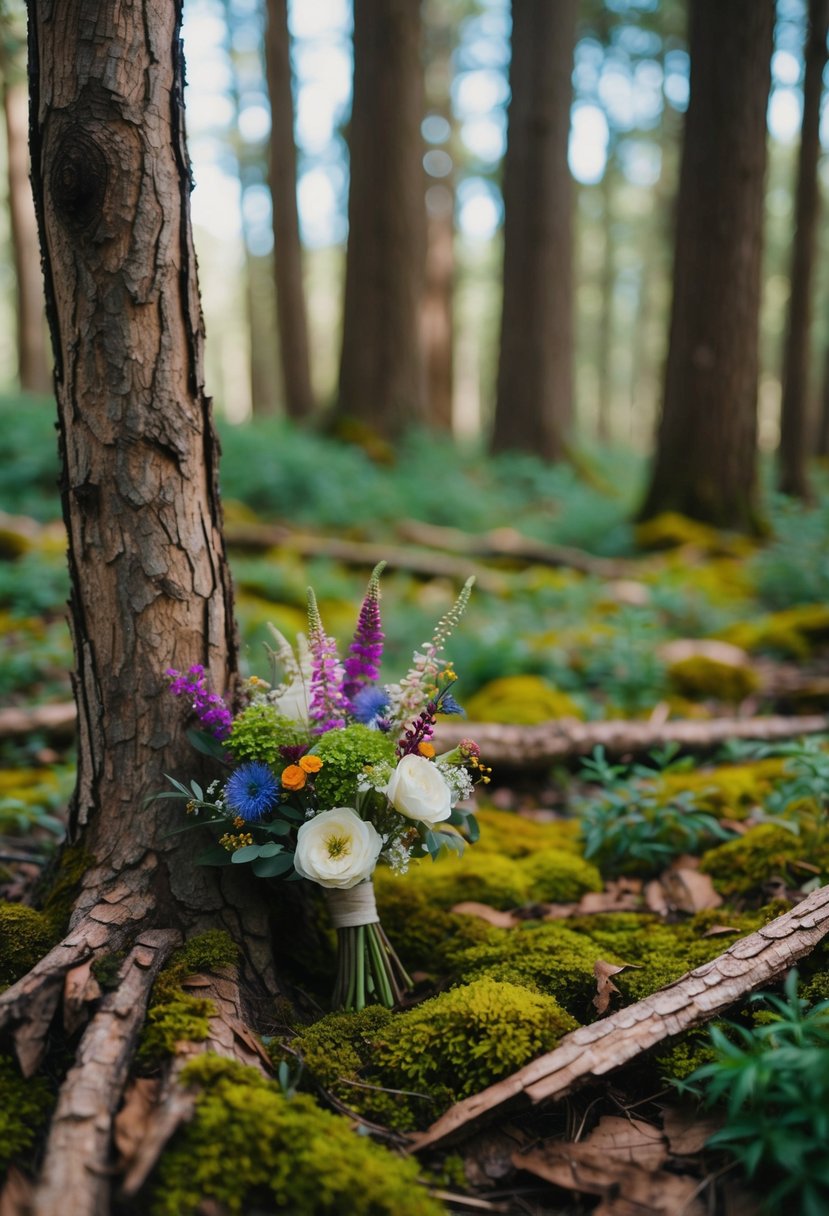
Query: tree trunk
point(606, 328)
point(34, 367)
point(291, 313)
point(381, 371)
point(794, 412)
point(706, 452)
point(534, 404)
point(822, 445)
point(150, 587)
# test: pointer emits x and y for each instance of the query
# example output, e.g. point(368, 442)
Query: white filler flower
point(418, 790)
point(337, 848)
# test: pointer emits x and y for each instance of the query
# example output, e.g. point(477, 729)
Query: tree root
point(538, 746)
point(76, 1161)
point(29, 1006)
point(593, 1051)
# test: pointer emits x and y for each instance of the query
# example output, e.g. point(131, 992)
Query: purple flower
point(251, 790)
point(208, 707)
point(363, 663)
point(327, 705)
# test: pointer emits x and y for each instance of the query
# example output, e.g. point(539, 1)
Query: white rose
point(418, 790)
point(337, 848)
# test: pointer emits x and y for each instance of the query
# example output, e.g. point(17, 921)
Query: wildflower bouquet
point(331, 773)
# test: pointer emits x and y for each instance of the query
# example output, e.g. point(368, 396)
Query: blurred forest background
point(437, 152)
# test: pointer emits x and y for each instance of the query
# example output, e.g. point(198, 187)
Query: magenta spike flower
point(208, 707)
point(419, 732)
point(366, 650)
point(327, 704)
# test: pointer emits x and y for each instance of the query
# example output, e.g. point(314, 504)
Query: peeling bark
point(596, 1050)
point(76, 1161)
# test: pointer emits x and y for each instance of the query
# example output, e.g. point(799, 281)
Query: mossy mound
point(702, 676)
point(554, 876)
point(260, 731)
point(25, 936)
point(765, 851)
point(425, 936)
point(459, 1042)
point(729, 791)
point(526, 700)
point(248, 1147)
point(793, 633)
point(25, 1104)
point(544, 957)
point(514, 835)
point(486, 878)
point(671, 530)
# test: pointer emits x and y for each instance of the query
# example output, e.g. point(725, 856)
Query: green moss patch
point(525, 699)
point(248, 1148)
point(25, 936)
point(25, 1104)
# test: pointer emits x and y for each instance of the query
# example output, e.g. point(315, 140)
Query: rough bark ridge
point(534, 394)
point(706, 452)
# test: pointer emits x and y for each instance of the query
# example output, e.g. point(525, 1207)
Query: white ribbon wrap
point(355, 906)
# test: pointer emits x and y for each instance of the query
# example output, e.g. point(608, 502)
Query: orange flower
point(293, 778)
point(310, 764)
point(426, 750)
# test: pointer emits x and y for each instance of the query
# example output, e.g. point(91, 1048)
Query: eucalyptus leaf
point(271, 849)
point(271, 867)
point(248, 852)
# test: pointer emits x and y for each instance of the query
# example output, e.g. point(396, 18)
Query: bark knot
point(78, 178)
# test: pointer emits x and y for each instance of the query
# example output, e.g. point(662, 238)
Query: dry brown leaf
point(655, 898)
point(605, 988)
point(718, 930)
point(135, 1116)
point(493, 916)
point(621, 896)
point(686, 1130)
point(687, 890)
point(17, 1194)
point(559, 911)
point(706, 648)
point(631, 1140)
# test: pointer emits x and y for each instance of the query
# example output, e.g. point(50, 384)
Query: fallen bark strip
point(363, 553)
point(76, 1161)
point(593, 1051)
point(508, 542)
point(537, 746)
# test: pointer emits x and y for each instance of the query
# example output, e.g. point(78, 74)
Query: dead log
point(363, 553)
point(593, 1051)
point(510, 543)
point(538, 746)
point(57, 721)
point(76, 1161)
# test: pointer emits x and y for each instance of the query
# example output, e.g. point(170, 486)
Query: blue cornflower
point(448, 705)
point(370, 704)
point(251, 790)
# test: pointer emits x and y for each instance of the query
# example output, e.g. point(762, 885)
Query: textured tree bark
point(381, 371)
point(534, 404)
point(593, 1051)
point(705, 463)
point(34, 367)
point(291, 313)
point(794, 409)
point(150, 588)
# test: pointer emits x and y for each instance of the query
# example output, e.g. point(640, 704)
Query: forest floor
point(653, 704)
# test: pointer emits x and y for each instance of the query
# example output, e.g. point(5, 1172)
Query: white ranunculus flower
point(419, 790)
point(337, 848)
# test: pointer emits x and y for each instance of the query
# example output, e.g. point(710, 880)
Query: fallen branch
point(76, 1161)
point(593, 1051)
point(362, 553)
point(57, 721)
point(538, 746)
point(509, 543)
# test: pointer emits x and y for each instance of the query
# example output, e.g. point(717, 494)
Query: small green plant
point(774, 1082)
point(637, 828)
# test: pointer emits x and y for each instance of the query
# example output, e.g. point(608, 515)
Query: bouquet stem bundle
point(368, 969)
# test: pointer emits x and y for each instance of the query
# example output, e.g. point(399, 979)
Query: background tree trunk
point(381, 370)
point(150, 587)
point(705, 463)
point(534, 404)
point(291, 313)
point(794, 411)
point(34, 367)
